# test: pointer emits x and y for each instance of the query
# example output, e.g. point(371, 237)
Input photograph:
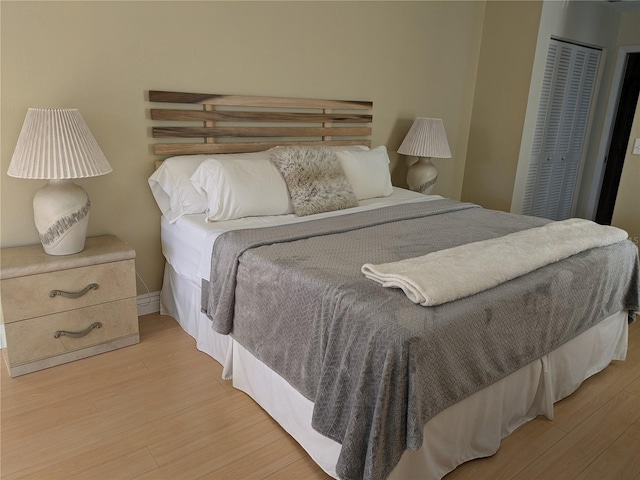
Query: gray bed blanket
point(377, 366)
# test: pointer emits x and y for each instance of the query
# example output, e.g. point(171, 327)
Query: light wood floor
point(160, 410)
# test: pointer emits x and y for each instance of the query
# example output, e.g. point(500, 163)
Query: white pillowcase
point(349, 148)
point(176, 195)
point(172, 188)
point(368, 172)
point(243, 186)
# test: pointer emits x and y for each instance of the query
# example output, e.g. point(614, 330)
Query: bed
point(307, 381)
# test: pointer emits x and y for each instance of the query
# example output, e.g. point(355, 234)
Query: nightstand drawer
point(29, 296)
point(35, 339)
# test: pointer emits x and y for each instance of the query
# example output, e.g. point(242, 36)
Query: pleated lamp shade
point(426, 138)
point(56, 144)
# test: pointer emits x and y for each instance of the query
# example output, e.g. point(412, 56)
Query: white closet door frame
point(562, 123)
point(595, 183)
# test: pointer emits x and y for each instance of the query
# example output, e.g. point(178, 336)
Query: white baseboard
point(148, 303)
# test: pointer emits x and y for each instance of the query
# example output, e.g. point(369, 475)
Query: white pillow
point(368, 172)
point(176, 195)
point(242, 187)
point(348, 148)
point(171, 187)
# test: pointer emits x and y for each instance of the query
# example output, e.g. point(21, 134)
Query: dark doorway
point(619, 139)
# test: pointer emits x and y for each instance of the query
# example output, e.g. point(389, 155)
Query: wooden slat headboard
point(233, 123)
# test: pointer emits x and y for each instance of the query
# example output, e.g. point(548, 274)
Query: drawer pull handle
point(62, 333)
point(55, 293)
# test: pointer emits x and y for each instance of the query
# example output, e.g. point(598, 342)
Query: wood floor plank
point(634, 387)
point(634, 430)
point(76, 440)
point(182, 351)
point(575, 451)
point(136, 403)
point(161, 394)
point(53, 414)
point(125, 467)
point(122, 407)
point(112, 443)
point(206, 433)
point(600, 388)
point(14, 391)
point(236, 444)
point(49, 443)
point(261, 462)
point(159, 409)
point(71, 462)
point(155, 324)
point(302, 468)
point(517, 451)
point(620, 461)
point(66, 382)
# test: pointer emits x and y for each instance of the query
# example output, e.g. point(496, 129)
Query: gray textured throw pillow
point(315, 179)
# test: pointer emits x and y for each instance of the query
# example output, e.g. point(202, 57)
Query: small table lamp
point(57, 145)
point(426, 139)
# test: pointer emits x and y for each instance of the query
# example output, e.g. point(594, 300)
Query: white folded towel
point(458, 272)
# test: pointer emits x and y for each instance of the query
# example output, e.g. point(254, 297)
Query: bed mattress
point(484, 418)
point(472, 428)
point(187, 244)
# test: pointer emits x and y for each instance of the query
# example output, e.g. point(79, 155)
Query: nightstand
point(57, 309)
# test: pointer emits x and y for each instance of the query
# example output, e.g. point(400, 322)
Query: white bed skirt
point(472, 428)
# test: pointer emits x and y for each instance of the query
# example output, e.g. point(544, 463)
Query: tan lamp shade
point(56, 144)
point(426, 138)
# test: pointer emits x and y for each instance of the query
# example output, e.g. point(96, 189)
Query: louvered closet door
point(563, 114)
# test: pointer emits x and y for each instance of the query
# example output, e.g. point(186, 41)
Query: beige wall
point(626, 214)
point(411, 59)
point(502, 88)
point(629, 32)
point(588, 23)
point(509, 81)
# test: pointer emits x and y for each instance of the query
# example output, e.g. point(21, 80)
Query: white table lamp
point(57, 145)
point(426, 139)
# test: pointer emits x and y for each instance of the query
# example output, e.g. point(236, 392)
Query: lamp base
point(61, 214)
point(422, 176)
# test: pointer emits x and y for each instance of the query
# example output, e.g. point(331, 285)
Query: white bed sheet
point(187, 244)
point(470, 429)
